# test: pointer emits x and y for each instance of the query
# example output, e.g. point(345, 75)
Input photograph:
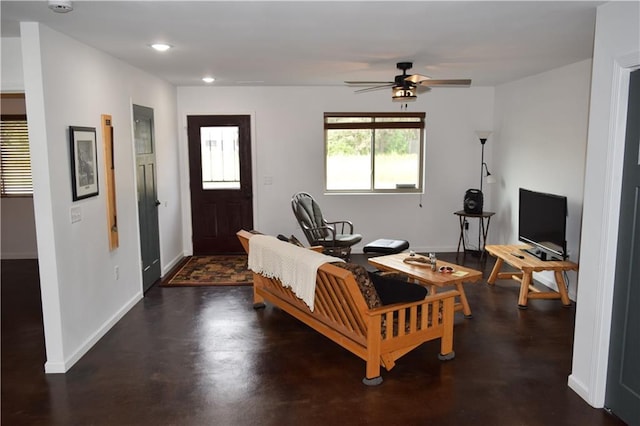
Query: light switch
point(76, 214)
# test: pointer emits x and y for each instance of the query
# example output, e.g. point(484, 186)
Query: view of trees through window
point(374, 153)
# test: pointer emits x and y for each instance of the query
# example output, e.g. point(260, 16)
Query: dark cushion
point(386, 246)
point(367, 288)
point(342, 240)
point(394, 290)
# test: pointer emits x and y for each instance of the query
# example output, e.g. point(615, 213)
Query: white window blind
point(15, 163)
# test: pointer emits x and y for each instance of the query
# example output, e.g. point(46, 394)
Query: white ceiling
point(325, 43)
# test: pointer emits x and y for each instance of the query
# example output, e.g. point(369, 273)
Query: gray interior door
point(623, 377)
point(147, 196)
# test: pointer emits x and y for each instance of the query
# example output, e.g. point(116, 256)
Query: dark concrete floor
point(203, 356)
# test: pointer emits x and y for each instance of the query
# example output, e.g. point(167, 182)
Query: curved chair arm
point(342, 224)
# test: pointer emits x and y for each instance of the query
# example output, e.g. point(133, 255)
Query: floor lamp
point(483, 135)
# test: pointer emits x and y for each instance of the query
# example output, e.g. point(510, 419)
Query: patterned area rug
point(213, 270)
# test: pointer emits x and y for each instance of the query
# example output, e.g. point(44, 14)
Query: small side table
point(484, 220)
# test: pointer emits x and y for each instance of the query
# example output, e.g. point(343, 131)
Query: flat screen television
point(543, 224)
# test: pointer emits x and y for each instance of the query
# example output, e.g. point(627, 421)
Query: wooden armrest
point(398, 306)
point(245, 235)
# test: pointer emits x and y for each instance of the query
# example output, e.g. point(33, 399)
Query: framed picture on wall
point(84, 162)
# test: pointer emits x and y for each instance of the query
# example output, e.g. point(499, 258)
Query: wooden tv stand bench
point(380, 335)
point(515, 256)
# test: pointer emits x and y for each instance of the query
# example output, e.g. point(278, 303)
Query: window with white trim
point(15, 162)
point(374, 152)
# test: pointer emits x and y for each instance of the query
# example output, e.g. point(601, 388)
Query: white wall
point(616, 53)
point(289, 148)
point(70, 84)
point(11, 65)
point(540, 144)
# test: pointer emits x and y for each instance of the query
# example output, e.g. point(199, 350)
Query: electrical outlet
point(466, 225)
point(116, 272)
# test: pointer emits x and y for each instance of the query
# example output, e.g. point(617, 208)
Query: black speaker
point(473, 201)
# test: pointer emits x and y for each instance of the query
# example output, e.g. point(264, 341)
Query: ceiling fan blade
point(422, 89)
point(417, 78)
point(371, 89)
point(458, 82)
point(368, 83)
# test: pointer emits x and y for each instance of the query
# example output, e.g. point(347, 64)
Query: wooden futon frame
point(379, 336)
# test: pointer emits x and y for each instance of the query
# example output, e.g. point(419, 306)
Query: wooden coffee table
point(433, 280)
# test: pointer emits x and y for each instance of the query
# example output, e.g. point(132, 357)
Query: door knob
point(158, 203)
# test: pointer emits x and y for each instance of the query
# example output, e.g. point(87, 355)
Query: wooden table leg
point(463, 305)
point(495, 271)
point(524, 290)
point(562, 289)
point(466, 310)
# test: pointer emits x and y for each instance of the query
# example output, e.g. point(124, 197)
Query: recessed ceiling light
point(60, 6)
point(161, 47)
point(208, 79)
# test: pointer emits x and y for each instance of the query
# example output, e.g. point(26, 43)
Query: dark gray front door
point(623, 377)
point(147, 196)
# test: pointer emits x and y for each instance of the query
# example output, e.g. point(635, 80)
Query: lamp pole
point(483, 135)
point(482, 141)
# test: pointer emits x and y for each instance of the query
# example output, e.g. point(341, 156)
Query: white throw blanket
point(294, 266)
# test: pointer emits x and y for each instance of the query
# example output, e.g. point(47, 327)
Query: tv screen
point(543, 223)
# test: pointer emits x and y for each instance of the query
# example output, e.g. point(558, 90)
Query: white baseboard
point(421, 249)
point(579, 388)
point(51, 367)
point(168, 267)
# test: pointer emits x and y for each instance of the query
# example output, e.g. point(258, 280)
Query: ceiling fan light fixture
point(402, 94)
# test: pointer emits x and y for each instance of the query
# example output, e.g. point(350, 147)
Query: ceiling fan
point(405, 87)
